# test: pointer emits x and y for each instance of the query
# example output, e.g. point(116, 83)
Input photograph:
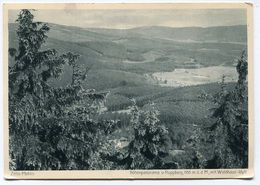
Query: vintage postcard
point(128, 91)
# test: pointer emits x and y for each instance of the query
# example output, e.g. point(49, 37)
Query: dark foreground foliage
point(229, 134)
point(50, 128)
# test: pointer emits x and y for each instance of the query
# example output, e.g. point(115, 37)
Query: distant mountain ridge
point(227, 34)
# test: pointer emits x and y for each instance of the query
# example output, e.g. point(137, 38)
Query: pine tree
point(149, 146)
point(229, 133)
point(28, 90)
point(50, 128)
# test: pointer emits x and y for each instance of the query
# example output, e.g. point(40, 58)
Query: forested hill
point(228, 34)
point(128, 54)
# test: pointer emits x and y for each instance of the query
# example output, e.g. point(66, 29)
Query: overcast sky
point(123, 19)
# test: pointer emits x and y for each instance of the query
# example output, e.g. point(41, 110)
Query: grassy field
point(186, 77)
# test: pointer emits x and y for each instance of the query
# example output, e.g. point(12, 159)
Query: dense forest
point(76, 127)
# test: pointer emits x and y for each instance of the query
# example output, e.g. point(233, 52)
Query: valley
point(169, 67)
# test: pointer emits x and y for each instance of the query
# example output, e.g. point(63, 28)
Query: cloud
point(123, 19)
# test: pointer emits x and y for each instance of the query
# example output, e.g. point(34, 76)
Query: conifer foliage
point(149, 146)
point(229, 133)
point(50, 128)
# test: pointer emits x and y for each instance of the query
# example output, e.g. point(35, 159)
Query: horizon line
point(137, 26)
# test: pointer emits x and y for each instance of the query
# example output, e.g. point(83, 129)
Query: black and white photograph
point(129, 89)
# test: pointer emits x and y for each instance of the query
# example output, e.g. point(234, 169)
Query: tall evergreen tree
point(149, 146)
point(230, 132)
point(50, 128)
